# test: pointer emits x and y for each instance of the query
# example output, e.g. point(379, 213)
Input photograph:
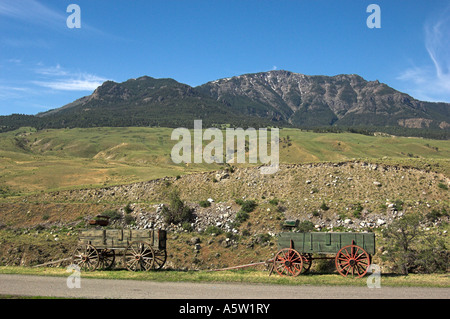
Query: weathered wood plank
point(116, 234)
point(121, 238)
point(92, 233)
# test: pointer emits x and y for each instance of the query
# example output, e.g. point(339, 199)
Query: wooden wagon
point(140, 249)
point(352, 252)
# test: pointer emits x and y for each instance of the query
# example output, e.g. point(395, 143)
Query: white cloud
point(52, 71)
point(83, 82)
point(438, 47)
point(33, 12)
point(432, 82)
point(61, 79)
point(8, 92)
point(30, 10)
point(14, 61)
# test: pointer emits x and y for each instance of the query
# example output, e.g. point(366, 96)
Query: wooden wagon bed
point(140, 249)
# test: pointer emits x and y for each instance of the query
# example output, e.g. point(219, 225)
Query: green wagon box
point(326, 243)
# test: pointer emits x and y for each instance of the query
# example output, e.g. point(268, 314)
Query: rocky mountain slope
point(296, 191)
point(144, 101)
point(345, 99)
point(279, 98)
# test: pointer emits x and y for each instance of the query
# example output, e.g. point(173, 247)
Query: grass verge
point(250, 276)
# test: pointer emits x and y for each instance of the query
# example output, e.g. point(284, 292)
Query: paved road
point(127, 289)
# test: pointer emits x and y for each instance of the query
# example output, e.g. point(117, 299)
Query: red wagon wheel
point(353, 260)
point(288, 262)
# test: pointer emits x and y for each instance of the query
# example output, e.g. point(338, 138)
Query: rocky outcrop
point(354, 195)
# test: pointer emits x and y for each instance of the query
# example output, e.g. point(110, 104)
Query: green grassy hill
point(33, 161)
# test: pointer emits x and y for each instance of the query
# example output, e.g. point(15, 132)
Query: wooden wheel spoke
point(357, 268)
point(347, 254)
point(140, 255)
point(361, 256)
point(290, 270)
point(148, 253)
point(147, 264)
point(363, 262)
point(352, 259)
point(86, 257)
point(92, 255)
point(132, 263)
point(348, 269)
point(347, 262)
point(297, 266)
point(160, 259)
point(288, 262)
point(362, 265)
point(346, 265)
point(134, 249)
point(107, 258)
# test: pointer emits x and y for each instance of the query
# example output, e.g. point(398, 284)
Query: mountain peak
point(311, 100)
point(276, 97)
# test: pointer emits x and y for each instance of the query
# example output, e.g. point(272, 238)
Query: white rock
point(377, 183)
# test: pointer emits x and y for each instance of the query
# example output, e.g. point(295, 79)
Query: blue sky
point(44, 64)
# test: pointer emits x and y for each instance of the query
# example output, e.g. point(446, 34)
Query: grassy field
point(48, 160)
point(39, 170)
point(243, 276)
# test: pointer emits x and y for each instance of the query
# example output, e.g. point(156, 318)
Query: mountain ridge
point(337, 96)
point(274, 98)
